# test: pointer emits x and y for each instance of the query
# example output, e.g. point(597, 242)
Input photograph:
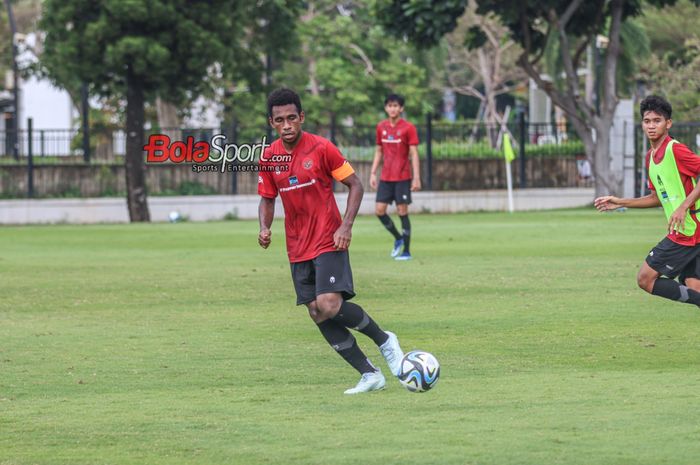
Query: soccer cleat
point(398, 245)
point(391, 350)
point(404, 256)
point(369, 382)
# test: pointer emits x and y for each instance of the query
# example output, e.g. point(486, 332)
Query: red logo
point(159, 149)
point(308, 164)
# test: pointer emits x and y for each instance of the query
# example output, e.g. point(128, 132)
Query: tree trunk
point(134, 160)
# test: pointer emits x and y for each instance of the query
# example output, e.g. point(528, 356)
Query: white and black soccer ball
point(420, 371)
point(174, 216)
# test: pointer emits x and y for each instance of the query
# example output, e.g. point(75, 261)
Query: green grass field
point(181, 344)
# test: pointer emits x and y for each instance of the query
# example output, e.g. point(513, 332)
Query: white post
point(509, 181)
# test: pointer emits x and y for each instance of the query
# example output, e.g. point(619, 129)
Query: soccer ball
point(174, 216)
point(420, 371)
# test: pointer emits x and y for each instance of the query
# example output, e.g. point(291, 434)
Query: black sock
point(673, 290)
point(352, 316)
point(406, 226)
point(389, 225)
point(345, 344)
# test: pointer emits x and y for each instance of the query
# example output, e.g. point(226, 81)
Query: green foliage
point(345, 65)
point(424, 22)
point(169, 45)
point(668, 27)
point(679, 81)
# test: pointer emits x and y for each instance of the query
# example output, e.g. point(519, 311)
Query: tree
point(576, 24)
point(485, 68)
point(348, 65)
point(138, 49)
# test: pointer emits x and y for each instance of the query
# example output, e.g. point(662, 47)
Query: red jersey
point(311, 215)
point(688, 165)
point(395, 141)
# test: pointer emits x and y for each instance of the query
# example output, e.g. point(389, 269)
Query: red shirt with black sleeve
point(305, 185)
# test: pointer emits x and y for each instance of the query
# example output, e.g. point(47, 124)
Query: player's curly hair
point(656, 104)
point(281, 97)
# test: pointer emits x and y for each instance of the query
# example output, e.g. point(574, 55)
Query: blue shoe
point(398, 245)
point(404, 256)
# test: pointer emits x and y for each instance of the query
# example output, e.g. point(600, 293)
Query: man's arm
point(610, 202)
point(344, 233)
point(375, 165)
point(266, 212)
point(415, 162)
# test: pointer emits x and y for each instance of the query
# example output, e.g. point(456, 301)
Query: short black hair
point(394, 98)
point(281, 97)
point(656, 104)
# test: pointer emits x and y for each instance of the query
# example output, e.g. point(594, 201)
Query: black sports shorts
point(329, 272)
point(394, 191)
point(671, 260)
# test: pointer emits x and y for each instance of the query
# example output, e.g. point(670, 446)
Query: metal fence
point(440, 140)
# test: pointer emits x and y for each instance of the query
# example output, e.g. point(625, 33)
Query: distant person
point(397, 141)
point(673, 169)
point(317, 237)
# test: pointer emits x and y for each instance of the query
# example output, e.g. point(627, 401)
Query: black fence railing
point(463, 142)
point(452, 140)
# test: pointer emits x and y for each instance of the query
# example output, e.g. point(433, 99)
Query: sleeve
point(337, 164)
point(650, 185)
point(413, 136)
point(379, 135)
point(266, 183)
point(688, 162)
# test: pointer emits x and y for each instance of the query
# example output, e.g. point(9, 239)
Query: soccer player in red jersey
point(317, 237)
point(673, 172)
point(397, 141)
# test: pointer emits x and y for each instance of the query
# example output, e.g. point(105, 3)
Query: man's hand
point(415, 185)
point(676, 222)
point(608, 202)
point(264, 238)
point(373, 181)
point(342, 237)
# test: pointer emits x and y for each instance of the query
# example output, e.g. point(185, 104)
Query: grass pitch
point(181, 344)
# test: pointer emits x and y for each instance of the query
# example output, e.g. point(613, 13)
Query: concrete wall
point(97, 180)
point(216, 207)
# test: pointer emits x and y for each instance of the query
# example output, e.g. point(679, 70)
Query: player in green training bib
point(673, 172)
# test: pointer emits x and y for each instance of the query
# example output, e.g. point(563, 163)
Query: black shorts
point(671, 260)
point(329, 272)
point(394, 191)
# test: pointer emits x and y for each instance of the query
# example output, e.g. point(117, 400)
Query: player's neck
point(394, 121)
point(655, 144)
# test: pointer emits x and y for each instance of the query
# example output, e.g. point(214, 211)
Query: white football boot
point(369, 382)
point(391, 350)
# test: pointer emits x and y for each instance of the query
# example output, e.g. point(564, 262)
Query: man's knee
point(693, 283)
point(646, 280)
point(328, 305)
point(314, 312)
point(402, 209)
point(380, 209)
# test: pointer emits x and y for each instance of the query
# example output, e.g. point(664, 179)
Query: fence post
point(523, 139)
point(30, 160)
point(43, 148)
point(86, 122)
point(429, 150)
